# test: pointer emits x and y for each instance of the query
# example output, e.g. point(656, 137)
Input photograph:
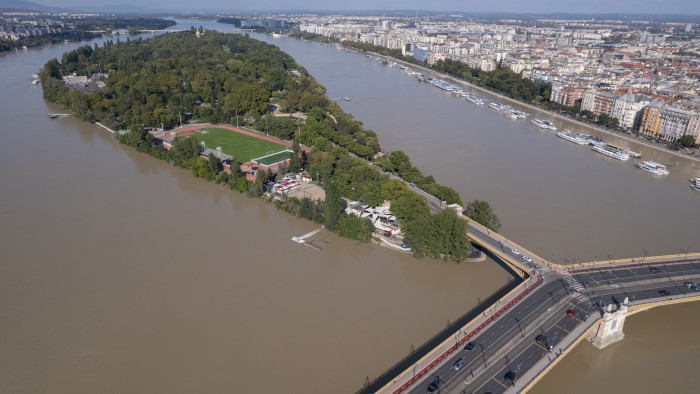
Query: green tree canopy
point(480, 211)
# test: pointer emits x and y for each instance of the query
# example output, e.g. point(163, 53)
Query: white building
point(628, 109)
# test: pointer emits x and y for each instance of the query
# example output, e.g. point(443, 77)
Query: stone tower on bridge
point(610, 329)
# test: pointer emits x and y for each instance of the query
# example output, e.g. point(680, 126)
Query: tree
point(687, 141)
point(410, 207)
point(440, 235)
point(481, 212)
point(334, 206)
point(295, 161)
point(355, 227)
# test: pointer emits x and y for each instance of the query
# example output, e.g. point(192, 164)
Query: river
point(122, 273)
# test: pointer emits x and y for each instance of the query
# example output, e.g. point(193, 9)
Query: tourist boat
point(497, 106)
point(443, 85)
point(544, 124)
point(612, 151)
point(474, 100)
point(574, 136)
point(695, 184)
point(633, 154)
point(653, 167)
point(510, 114)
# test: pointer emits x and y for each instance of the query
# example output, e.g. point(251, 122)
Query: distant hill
point(22, 5)
point(27, 6)
point(120, 9)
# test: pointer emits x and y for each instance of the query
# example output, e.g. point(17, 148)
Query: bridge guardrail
point(467, 337)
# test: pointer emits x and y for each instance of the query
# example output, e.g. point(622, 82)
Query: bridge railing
point(446, 353)
point(508, 346)
point(416, 355)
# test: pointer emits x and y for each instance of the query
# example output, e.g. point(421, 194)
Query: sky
point(521, 6)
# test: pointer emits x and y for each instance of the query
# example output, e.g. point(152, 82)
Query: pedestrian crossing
point(576, 287)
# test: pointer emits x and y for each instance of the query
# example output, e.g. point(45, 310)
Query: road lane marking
point(561, 328)
point(499, 382)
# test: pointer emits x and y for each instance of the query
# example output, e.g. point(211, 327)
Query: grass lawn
point(242, 147)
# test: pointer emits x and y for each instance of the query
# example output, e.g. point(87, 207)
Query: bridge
point(517, 338)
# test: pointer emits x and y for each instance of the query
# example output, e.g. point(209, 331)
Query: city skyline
point(505, 6)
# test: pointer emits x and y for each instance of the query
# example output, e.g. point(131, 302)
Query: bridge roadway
point(504, 337)
point(508, 343)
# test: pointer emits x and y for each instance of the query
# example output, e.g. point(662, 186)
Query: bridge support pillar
point(609, 330)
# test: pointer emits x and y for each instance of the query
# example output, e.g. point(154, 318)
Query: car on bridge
point(689, 284)
point(470, 346)
point(434, 386)
point(510, 377)
point(529, 260)
point(540, 338)
point(515, 251)
point(654, 269)
point(664, 292)
point(458, 364)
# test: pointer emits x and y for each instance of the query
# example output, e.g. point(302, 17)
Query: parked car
point(570, 312)
point(540, 338)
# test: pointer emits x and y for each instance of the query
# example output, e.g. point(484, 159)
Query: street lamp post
point(686, 253)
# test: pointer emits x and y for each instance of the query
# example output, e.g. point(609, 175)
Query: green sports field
point(242, 147)
point(274, 158)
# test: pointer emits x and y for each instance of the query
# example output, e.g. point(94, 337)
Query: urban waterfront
point(101, 280)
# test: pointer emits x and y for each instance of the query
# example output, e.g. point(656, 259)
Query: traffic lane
point(482, 237)
point(603, 277)
point(494, 337)
point(555, 333)
point(524, 356)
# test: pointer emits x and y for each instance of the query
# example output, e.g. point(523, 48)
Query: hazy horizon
point(509, 6)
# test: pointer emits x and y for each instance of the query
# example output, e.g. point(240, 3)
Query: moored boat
point(574, 136)
point(544, 124)
point(612, 151)
point(653, 167)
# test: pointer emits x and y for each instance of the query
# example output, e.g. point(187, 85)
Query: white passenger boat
point(497, 106)
point(474, 100)
point(574, 136)
point(510, 114)
point(633, 154)
point(653, 167)
point(612, 151)
point(544, 124)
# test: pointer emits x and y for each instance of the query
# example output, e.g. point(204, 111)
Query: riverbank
point(541, 110)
